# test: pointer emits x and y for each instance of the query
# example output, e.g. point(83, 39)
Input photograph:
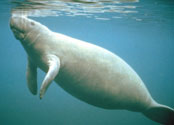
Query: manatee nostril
point(13, 21)
point(32, 23)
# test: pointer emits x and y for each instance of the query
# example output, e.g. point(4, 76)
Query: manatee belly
point(105, 81)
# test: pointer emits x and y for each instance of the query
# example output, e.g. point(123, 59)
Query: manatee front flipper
point(54, 65)
point(32, 77)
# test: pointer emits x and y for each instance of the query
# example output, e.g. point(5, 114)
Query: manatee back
point(99, 77)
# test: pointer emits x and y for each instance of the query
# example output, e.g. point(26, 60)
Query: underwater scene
point(137, 31)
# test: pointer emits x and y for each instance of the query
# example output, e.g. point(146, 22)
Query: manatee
point(86, 71)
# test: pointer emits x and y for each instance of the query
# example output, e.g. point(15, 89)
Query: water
point(141, 32)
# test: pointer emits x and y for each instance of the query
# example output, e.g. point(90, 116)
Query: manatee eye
point(32, 23)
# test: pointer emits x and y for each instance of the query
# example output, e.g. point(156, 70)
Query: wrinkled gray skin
point(86, 71)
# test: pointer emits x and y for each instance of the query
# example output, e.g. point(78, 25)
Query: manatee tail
point(160, 113)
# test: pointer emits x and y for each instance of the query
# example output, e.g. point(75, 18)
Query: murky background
point(141, 32)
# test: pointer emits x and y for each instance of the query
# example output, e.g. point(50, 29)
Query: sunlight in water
point(88, 8)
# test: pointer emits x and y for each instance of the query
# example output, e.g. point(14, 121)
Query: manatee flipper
point(32, 77)
point(54, 65)
point(160, 113)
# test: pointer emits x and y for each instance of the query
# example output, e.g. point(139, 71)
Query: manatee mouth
point(18, 34)
point(15, 23)
point(16, 28)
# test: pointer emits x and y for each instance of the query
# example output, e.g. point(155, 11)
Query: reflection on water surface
point(88, 8)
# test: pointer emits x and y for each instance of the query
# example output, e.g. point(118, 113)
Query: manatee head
point(24, 28)
point(21, 26)
point(31, 34)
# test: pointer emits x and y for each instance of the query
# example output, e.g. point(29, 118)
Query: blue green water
point(141, 33)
